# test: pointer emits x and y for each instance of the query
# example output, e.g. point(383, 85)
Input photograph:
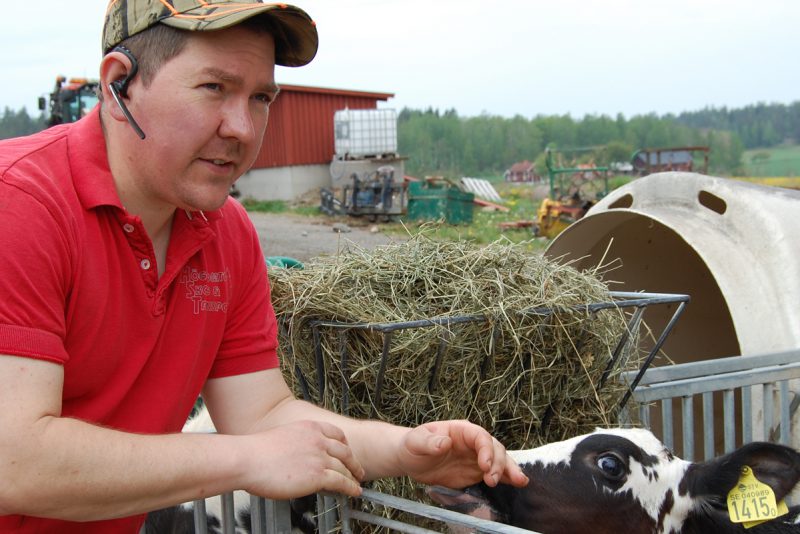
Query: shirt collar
point(88, 162)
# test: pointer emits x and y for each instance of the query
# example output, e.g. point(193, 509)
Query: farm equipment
point(373, 194)
point(70, 100)
point(650, 160)
point(438, 198)
point(574, 188)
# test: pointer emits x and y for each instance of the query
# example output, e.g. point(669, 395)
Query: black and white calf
point(626, 481)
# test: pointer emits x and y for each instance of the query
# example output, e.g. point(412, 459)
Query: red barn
point(298, 147)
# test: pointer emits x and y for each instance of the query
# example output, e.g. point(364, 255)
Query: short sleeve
point(36, 266)
point(250, 341)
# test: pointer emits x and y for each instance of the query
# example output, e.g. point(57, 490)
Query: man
point(131, 282)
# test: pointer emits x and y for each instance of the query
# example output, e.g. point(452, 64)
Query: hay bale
point(528, 378)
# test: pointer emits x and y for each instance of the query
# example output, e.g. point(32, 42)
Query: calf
point(626, 480)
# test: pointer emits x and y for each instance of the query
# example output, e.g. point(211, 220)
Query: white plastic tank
point(365, 132)
point(734, 247)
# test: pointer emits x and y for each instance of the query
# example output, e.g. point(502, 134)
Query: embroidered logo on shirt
point(206, 290)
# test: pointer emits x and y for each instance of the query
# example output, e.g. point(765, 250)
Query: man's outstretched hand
point(457, 454)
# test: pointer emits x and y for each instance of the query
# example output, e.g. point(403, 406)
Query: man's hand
point(457, 454)
point(302, 458)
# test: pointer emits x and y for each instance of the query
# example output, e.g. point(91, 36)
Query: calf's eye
point(611, 465)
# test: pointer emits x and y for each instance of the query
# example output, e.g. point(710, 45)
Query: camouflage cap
point(295, 45)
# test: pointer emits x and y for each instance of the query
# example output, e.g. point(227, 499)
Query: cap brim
point(296, 41)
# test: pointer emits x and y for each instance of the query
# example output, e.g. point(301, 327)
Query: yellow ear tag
point(751, 502)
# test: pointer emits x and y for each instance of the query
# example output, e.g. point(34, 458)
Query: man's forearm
point(68, 469)
point(374, 443)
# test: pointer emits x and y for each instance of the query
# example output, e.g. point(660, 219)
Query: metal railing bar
point(688, 428)
point(275, 516)
point(635, 300)
point(644, 415)
point(280, 520)
point(437, 363)
point(784, 417)
point(394, 526)
point(695, 386)
point(729, 417)
point(769, 410)
point(228, 514)
point(401, 325)
point(638, 298)
point(747, 414)
point(328, 512)
point(345, 512)
point(792, 409)
point(258, 515)
point(440, 514)
point(715, 366)
point(656, 348)
point(666, 423)
point(708, 425)
point(324, 524)
point(200, 521)
point(632, 326)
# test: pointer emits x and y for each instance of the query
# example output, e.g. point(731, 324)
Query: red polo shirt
point(80, 288)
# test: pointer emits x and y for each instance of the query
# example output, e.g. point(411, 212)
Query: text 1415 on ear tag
point(751, 502)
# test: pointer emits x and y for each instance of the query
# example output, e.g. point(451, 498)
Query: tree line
point(758, 126)
point(444, 143)
point(17, 123)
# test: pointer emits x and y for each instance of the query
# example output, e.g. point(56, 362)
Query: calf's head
point(623, 480)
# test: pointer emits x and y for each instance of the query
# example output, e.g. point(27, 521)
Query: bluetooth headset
point(119, 89)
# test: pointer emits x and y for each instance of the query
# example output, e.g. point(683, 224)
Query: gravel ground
point(303, 238)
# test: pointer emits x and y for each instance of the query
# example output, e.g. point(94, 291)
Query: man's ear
point(114, 67)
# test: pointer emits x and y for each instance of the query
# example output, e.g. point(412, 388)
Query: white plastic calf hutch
point(734, 248)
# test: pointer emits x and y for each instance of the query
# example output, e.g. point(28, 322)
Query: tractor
point(70, 100)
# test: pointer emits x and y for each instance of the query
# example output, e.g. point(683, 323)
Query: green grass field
point(780, 161)
point(485, 227)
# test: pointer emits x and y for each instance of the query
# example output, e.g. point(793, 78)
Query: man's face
point(204, 114)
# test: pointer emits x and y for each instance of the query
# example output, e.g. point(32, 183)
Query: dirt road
point(303, 238)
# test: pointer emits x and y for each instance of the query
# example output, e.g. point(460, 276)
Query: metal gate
point(336, 513)
point(753, 395)
point(340, 515)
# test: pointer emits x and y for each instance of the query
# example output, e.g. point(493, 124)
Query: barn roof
point(521, 166)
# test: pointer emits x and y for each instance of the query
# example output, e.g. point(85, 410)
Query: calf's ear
point(775, 465)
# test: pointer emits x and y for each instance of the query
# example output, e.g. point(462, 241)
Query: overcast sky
point(501, 57)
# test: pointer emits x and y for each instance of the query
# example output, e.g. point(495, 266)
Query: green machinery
point(575, 186)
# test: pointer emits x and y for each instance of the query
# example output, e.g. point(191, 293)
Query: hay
point(528, 378)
